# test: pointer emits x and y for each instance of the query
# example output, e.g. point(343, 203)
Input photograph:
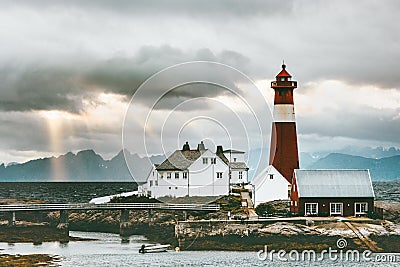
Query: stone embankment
point(230, 235)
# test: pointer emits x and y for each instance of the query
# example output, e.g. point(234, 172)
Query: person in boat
point(141, 250)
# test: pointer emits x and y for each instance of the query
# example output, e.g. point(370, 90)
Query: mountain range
point(383, 169)
point(88, 166)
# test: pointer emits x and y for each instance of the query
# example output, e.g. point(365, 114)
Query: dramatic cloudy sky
point(68, 70)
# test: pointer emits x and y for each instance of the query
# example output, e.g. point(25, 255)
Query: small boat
point(153, 248)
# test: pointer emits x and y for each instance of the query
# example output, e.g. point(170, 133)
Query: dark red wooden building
point(332, 192)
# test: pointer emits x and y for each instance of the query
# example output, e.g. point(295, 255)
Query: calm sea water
point(64, 192)
point(108, 250)
point(84, 192)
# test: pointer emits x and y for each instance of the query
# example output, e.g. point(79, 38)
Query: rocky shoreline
point(242, 236)
point(29, 260)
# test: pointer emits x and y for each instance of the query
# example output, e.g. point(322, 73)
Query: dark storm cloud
point(63, 86)
point(38, 87)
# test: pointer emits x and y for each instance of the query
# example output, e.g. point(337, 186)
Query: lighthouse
point(284, 155)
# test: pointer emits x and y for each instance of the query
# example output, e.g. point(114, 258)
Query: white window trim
point(360, 213)
point(336, 213)
point(310, 203)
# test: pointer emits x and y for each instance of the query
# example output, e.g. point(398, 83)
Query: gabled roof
point(262, 177)
point(238, 165)
point(180, 160)
point(334, 183)
point(223, 158)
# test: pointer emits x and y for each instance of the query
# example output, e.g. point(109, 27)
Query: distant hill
point(86, 165)
point(309, 158)
point(383, 169)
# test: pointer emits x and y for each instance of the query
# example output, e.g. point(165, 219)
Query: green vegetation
point(230, 203)
point(272, 208)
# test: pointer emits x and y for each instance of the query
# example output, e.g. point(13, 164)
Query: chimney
point(186, 146)
point(201, 147)
point(219, 150)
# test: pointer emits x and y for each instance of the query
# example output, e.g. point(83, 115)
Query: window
point(213, 161)
point(311, 208)
point(219, 174)
point(271, 176)
point(161, 175)
point(295, 203)
point(156, 183)
point(177, 175)
point(168, 175)
point(151, 183)
point(289, 188)
point(240, 175)
point(169, 188)
point(176, 187)
point(205, 160)
point(185, 175)
point(234, 159)
point(361, 208)
point(336, 208)
point(282, 79)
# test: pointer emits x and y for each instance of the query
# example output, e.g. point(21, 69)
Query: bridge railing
point(109, 206)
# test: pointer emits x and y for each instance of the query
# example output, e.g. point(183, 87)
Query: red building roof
point(283, 72)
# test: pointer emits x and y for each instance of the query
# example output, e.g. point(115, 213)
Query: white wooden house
point(197, 172)
point(270, 185)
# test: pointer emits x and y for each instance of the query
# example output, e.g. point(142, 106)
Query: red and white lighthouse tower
point(284, 155)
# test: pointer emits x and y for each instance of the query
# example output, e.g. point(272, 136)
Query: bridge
point(109, 206)
point(123, 207)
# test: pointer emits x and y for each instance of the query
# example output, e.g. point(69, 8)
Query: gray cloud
point(231, 8)
point(44, 86)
